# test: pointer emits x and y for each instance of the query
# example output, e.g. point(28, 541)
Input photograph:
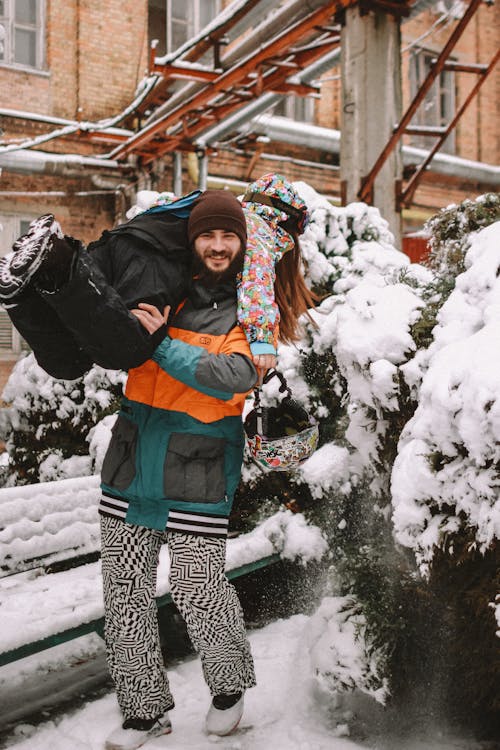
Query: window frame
point(8, 21)
point(442, 94)
point(13, 226)
point(288, 107)
point(192, 22)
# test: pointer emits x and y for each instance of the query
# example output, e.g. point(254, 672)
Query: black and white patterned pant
point(204, 597)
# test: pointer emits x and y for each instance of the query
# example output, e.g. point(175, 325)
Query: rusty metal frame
point(405, 196)
point(365, 193)
point(214, 41)
point(258, 72)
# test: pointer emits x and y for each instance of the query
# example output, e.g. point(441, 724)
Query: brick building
point(67, 63)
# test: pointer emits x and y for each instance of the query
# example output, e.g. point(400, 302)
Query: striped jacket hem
point(185, 522)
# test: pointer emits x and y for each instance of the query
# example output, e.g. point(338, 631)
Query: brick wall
point(113, 60)
point(96, 55)
point(82, 216)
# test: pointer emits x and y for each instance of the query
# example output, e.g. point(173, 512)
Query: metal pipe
point(300, 134)
point(66, 165)
point(202, 170)
point(49, 120)
point(325, 139)
point(266, 101)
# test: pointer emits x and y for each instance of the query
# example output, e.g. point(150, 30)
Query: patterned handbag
point(280, 437)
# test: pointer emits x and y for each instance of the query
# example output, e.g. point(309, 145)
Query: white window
point(438, 106)
point(298, 108)
point(22, 33)
point(173, 22)
point(12, 227)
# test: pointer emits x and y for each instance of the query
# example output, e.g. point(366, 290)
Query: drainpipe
point(177, 170)
point(202, 169)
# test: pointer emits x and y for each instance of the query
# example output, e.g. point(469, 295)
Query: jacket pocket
point(194, 468)
point(118, 468)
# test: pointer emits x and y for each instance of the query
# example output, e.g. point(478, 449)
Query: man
point(170, 474)
point(72, 304)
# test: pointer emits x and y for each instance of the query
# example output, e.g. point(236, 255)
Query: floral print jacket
point(267, 242)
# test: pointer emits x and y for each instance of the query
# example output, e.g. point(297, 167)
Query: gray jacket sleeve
point(234, 372)
point(218, 375)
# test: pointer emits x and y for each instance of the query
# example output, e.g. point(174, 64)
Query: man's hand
point(263, 363)
point(150, 317)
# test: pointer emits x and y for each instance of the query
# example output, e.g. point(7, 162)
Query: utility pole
point(371, 106)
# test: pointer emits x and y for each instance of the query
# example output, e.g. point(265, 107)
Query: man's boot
point(135, 732)
point(224, 714)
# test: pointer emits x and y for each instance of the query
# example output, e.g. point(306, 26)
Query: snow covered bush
point(449, 231)
point(402, 375)
point(446, 476)
point(449, 234)
point(447, 473)
point(347, 372)
point(46, 421)
point(341, 657)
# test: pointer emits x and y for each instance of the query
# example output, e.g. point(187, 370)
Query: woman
point(75, 306)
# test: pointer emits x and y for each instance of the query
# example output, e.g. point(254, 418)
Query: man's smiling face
point(217, 250)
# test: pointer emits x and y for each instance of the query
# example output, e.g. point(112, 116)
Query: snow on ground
point(280, 713)
point(287, 710)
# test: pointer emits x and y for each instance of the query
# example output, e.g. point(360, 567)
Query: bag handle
point(257, 391)
point(284, 387)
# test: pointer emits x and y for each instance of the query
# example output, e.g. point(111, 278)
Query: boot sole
point(39, 234)
point(114, 746)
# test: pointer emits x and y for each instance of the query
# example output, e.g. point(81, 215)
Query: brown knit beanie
point(217, 209)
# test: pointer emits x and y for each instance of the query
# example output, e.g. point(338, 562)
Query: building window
point(173, 22)
point(12, 227)
point(438, 106)
point(22, 33)
point(298, 108)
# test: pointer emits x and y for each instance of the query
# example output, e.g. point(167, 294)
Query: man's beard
point(211, 278)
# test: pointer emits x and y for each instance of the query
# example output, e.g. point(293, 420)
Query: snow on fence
point(41, 523)
point(59, 521)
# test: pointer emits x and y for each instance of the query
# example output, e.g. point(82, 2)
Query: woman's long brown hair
point(292, 295)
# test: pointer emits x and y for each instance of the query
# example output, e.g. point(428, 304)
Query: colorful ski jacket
point(258, 312)
point(174, 460)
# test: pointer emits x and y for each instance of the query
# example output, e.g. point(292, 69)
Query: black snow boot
point(18, 268)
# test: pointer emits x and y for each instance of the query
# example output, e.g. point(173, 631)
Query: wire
point(83, 126)
point(445, 19)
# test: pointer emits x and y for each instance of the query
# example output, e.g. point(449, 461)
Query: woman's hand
point(263, 363)
point(150, 317)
